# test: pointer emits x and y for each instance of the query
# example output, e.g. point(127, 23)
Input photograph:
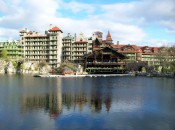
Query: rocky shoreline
point(167, 75)
point(27, 67)
point(85, 75)
point(107, 75)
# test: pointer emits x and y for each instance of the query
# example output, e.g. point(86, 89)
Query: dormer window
point(147, 50)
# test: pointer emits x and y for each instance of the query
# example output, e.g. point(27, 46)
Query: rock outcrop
point(25, 67)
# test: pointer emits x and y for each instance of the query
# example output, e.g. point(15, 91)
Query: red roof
point(136, 49)
point(152, 49)
point(98, 32)
point(35, 36)
point(30, 32)
point(22, 31)
point(116, 46)
point(108, 37)
point(55, 29)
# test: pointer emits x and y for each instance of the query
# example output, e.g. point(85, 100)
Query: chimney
point(117, 43)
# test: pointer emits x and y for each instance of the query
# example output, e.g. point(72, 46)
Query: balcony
point(53, 44)
point(80, 50)
point(67, 50)
point(52, 53)
point(79, 46)
point(77, 54)
point(105, 63)
point(53, 58)
point(36, 49)
point(66, 46)
point(53, 49)
point(67, 55)
point(34, 45)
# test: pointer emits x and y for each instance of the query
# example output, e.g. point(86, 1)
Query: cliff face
point(25, 67)
point(2, 66)
point(34, 67)
point(9, 67)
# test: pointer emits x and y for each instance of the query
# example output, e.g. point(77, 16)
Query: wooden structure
point(104, 60)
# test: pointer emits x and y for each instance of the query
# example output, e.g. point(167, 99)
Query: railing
point(53, 58)
point(80, 50)
point(40, 48)
point(53, 49)
point(105, 63)
point(29, 40)
point(67, 50)
point(53, 44)
point(77, 55)
point(36, 45)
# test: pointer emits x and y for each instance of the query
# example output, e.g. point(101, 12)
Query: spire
point(108, 37)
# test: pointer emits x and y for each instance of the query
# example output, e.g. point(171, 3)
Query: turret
point(108, 38)
point(23, 32)
point(55, 30)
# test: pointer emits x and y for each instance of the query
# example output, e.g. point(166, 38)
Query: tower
point(55, 46)
point(108, 38)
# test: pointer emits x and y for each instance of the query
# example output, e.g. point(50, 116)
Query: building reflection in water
point(100, 94)
point(51, 102)
point(70, 97)
point(54, 102)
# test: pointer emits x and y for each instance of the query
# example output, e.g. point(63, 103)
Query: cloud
point(29, 13)
point(77, 7)
point(106, 19)
point(4, 34)
point(150, 10)
point(33, 15)
point(125, 21)
point(169, 25)
point(118, 31)
point(2, 6)
point(142, 14)
point(156, 42)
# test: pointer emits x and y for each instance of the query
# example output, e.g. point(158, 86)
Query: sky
point(140, 22)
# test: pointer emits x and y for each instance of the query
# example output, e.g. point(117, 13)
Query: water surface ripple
point(86, 103)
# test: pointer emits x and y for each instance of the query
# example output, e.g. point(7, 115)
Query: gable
point(113, 52)
point(128, 48)
point(97, 41)
point(107, 51)
point(147, 49)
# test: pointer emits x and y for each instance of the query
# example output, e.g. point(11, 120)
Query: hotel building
point(37, 47)
point(138, 53)
point(133, 52)
point(13, 49)
point(53, 48)
point(75, 47)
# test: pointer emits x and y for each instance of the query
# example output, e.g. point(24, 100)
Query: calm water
point(99, 103)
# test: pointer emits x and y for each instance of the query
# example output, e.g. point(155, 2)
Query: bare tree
point(165, 58)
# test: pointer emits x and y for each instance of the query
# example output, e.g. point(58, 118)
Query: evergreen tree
point(4, 54)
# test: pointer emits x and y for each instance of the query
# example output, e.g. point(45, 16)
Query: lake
point(86, 103)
